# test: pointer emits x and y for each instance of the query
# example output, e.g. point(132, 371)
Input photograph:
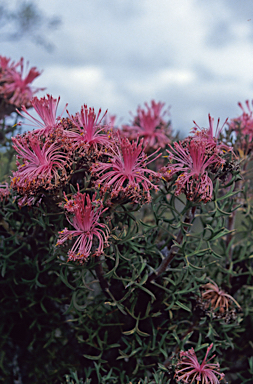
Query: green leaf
point(228, 194)
point(147, 291)
point(72, 188)
point(182, 306)
point(129, 332)
point(63, 277)
point(222, 232)
point(93, 357)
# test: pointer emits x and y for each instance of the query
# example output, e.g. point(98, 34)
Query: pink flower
point(150, 125)
point(246, 120)
point(210, 139)
point(191, 162)
point(6, 65)
point(28, 201)
point(89, 232)
point(189, 370)
point(126, 170)
point(42, 165)
point(243, 127)
point(88, 127)
point(110, 121)
point(19, 86)
point(4, 192)
point(208, 134)
point(46, 108)
point(15, 88)
point(195, 158)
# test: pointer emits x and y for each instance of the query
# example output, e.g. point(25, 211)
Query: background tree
point(26, 21)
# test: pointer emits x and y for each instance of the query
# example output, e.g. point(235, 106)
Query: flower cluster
point(193, 161)
point(46, 154)
point(15, 87)
point(81, 147)
point(65, 149)
point(85, 213)
point(150, 125)
point(189, 370)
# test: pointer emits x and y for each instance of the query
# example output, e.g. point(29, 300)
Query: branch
point(100, 275)
point(173, 251)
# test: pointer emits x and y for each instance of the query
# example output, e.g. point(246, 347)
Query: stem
point(231, 224)
point(100, 275)
point(166, 261)
point(231, 219)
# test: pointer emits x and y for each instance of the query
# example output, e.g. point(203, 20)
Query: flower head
point(89, 232)
point(126, 172)
point(216, 301)
point(15, 87)
point(241, 129)
point(46, 108)
point(18, 86)
point(110, 121)
point(189, 370)
point(88, 127)
point(191, 164)
point(208, 135)
point(194, 159)
point(244, 124)
point(150, 125)
point(42, 164)
point(4, 192)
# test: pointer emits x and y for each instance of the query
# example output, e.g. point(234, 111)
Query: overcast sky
point(195, 55)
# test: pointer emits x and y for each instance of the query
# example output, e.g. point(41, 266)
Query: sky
point(194, 55)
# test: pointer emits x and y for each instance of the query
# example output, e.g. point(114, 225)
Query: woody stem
point(231, 221)
point(173, 251)
point(100, 274)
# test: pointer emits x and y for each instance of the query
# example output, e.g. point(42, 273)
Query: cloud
point(82, 85)
point(196, 56)
point(153, 83)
